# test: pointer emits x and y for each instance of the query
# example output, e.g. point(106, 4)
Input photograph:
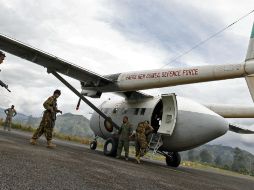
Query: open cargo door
point(169, 115)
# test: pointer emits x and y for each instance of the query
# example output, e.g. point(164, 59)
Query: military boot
point(33, 141)
point(50, 144)
point(138, 159)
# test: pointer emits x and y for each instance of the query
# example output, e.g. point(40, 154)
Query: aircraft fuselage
point(194, 124)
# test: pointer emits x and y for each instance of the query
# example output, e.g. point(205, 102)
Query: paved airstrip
point(73, 166)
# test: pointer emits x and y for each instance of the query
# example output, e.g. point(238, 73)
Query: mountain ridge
point(68, 123)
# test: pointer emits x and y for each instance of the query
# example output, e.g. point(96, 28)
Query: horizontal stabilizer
point(232, 111)
point(236, 129)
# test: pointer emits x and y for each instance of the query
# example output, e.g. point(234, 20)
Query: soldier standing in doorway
point(10, 113)
point(48, 120)
point(141, 144)
point(124, 137)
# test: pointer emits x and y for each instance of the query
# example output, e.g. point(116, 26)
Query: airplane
point(180, 124)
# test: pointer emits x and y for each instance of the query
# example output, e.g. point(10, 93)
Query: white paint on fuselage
point(185, 104)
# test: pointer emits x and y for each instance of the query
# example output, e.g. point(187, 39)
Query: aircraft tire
point(173, 159)
point(110, 147)
point(93, 145)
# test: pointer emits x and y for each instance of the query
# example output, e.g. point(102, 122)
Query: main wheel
point(110, 147)
point(173, 159)
point(93, 145)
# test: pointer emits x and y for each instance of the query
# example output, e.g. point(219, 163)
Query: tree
point(239, 162)
point(205, 156)
point(218, 161)
point(191, 155)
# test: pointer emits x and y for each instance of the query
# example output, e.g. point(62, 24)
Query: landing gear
point(110, 147)
point(173, 159)
point(93, 145)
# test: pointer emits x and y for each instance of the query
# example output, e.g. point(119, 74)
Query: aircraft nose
point(219, 126)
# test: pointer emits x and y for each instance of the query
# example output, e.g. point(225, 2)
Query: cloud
point(175, 27)
point(70, 33)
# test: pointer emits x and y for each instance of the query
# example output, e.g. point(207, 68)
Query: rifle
point(4, 85)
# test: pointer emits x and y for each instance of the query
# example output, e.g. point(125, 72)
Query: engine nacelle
point(91, 93)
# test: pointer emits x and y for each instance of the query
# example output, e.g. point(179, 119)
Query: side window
point(136, 111)
point(143, 110)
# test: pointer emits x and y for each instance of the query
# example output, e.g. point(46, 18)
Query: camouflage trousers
point(141, 144)
point(121, 144)
point(7, 123)
point(46, 127)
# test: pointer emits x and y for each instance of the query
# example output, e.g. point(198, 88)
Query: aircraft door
point(169, 114)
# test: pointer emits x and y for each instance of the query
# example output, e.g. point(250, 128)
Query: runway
point(73, 166)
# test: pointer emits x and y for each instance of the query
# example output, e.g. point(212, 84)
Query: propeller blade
point(77, 108)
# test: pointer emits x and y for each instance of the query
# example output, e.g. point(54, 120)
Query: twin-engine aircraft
point(180, 123)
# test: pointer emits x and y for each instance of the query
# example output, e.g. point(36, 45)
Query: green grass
point(214, 168)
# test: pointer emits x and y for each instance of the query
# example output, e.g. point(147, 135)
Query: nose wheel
point(93, 145)
point(173, 159)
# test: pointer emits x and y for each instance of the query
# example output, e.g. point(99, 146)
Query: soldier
point(48, 120)
point(2, 56)
point(141, 144)
point(10, 113)
point(124, 134)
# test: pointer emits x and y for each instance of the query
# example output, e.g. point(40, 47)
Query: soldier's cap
point(57, 92)
point(2, 53)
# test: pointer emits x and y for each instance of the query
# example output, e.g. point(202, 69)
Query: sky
point(112, 36)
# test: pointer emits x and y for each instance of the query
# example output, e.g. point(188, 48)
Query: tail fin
point(250, 52)
point(250, 56)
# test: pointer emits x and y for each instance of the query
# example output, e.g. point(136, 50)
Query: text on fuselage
point(162, 74)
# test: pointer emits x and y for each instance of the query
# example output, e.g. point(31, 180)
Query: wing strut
point(83, 98)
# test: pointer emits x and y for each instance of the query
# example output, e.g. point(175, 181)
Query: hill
point(70, 124)
point(225, 157)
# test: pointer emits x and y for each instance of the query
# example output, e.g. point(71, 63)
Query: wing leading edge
point(52, 63)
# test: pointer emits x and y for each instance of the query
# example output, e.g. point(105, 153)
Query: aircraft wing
point(52, 63)
point(133, 95)
point(236, 129)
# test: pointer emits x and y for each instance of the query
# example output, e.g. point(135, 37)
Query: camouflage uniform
point(124, 134)
point(48, 120)
point(10, 113)
point(141, 140)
